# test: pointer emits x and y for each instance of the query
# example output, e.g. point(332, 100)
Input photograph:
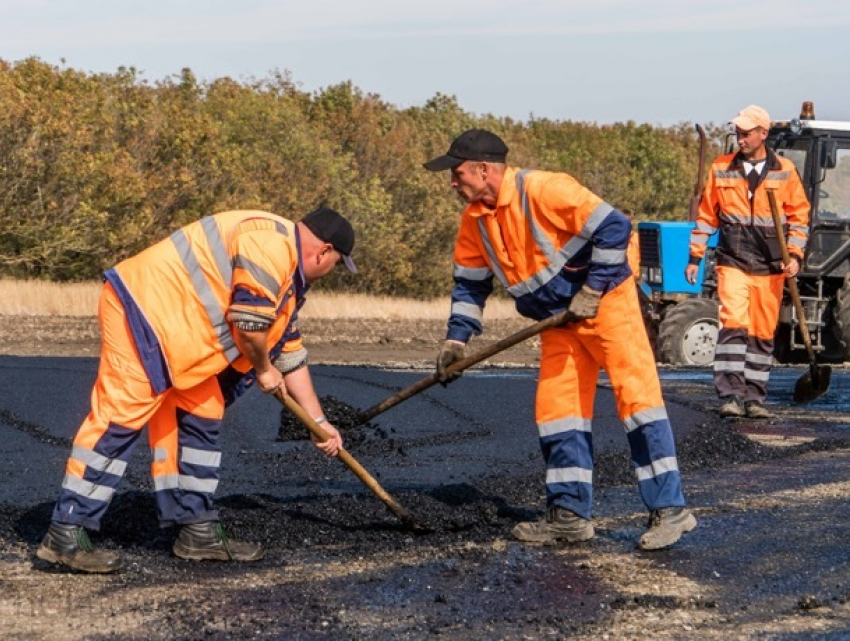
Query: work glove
point(584, 305)
point(451, 352)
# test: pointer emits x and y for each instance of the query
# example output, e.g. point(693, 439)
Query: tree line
point(94, 167)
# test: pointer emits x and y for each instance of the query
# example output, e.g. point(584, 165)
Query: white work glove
point(584, 305)
point(450, 352)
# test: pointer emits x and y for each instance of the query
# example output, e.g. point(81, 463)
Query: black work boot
point(559, 525)
point(70, 545)
point(207, 541)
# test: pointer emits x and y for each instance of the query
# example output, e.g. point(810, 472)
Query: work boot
point(732, 408)
point(666, 526)
point(207, 541)
point(70, 545)
point(757, 410)
point(559, 525)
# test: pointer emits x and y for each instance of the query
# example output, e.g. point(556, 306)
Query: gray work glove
point(450, 352)
point(584, 305)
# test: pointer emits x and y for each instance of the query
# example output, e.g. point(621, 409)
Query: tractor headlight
point(651, 275)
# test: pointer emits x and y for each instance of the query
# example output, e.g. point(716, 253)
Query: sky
point(661, 62)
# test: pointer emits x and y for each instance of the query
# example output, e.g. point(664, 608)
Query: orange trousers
point(749, 313)
point(571, 358)
point(183, 425)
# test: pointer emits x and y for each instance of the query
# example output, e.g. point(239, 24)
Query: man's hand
point(270, 380)
point(691, 272)
point(451, 352)
point(332, 446)
point(792, 268)
point(584, 305)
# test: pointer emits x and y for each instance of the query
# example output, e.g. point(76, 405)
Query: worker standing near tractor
point(556, 246)
point(750, 271)
point(220, 294)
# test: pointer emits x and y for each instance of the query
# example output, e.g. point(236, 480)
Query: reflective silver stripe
point(608, 256)
point(200, 457)
point(205, 294)
point(657, 468)
point(595, 219)
point(801, 228)
point(472, 273)
point(643, 417)
point(470, 310)
point(88, 489)
point(488, 247)
point(98, 461)
point(706, 228)
point(561, 425)
point(730, 349)
point(728, 366)
point(160, 454)
point(258, 273)
point(166, 482)
point(746, 219)
point(544, 244)
point(759, 359)
point(755, 375)
point(546, 274)
point(797, 242)
point(219, 250)
point(183, 482)
point(777, 175)
point(699, 239)
point(722, 173)
point(569, 475)
point(193, 484)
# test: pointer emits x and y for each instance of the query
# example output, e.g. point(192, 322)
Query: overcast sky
point(656, 61)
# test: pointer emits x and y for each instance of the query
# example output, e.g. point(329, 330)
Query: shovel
point(462, 364)
point(359, 471)
point(814, 383)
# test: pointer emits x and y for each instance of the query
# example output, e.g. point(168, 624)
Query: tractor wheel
point(688, 333)
point(841, 318)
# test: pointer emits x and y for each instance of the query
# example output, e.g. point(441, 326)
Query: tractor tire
point(841, 320)
point(688, 333)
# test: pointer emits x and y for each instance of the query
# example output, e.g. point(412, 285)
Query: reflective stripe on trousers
point(571, 358)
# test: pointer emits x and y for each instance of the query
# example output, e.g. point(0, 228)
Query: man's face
point(323, 264)
point(750, 141)
point(468, 181)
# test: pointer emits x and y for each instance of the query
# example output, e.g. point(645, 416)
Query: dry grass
point(38, 298)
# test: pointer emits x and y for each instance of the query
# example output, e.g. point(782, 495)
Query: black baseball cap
point(472, 144)
point(331, 227)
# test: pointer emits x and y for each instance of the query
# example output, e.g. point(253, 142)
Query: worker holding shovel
point(556, 246)
point(217, 295)
point(751, 271)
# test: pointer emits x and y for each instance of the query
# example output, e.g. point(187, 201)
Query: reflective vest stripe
point(258, 273)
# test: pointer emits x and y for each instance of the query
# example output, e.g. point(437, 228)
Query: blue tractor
point(682, 319)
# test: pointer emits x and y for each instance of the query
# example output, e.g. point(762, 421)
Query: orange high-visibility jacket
point(179, 293)
point(748, 236)
point(547, 236)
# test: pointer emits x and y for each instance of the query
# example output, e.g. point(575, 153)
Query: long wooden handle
point(792, 282)
point(462, 364)
point(349, 461)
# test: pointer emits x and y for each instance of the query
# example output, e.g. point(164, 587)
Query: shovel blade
point(813, 384)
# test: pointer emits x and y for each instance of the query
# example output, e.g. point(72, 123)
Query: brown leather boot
point(558, 525)
point(207, 541)
point(70, 545)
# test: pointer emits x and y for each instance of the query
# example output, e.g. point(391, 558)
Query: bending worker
point(750, 272)
point(217, 296)
point(555, 245)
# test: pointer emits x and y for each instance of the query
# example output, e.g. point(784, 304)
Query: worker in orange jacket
point(750, 271)
point(219, 295)
point(556, 246)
